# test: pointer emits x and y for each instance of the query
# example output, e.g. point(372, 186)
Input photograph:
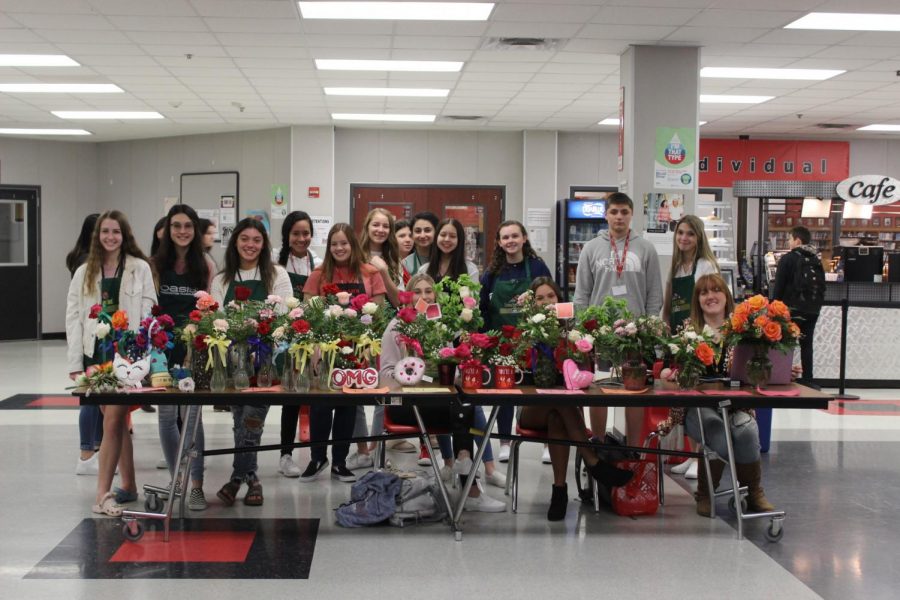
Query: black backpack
point(809, 285)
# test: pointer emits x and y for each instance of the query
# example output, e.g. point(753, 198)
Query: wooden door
point(403, 203)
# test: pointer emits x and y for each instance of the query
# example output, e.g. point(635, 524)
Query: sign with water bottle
point(676, 155)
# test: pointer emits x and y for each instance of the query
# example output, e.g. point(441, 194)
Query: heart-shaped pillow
point(576, 379)
point(410, 370)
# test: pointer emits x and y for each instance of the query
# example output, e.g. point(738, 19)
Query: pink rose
point(343, 298)
point(469, 302)
point(349, 312)
point(447, 353)
point(583, 345)
point(296, 313)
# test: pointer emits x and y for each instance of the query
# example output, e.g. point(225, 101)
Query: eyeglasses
point(182, 226)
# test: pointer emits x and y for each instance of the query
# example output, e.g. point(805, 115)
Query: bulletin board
point(215, 195)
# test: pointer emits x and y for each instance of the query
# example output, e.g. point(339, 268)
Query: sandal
point(229, 492)
point(108, 506)
point(254, 495)
point(124, 496)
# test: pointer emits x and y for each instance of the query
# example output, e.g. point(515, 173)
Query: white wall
point(67, 174)
point(312, 165)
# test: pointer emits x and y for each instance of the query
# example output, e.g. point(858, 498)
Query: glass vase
point(266, 373)
point(634, 376)
point(688, 379)
point(545, 373)
point(288, 374)
point(199, 372)
point(217, 382)
point(759, 367)
point(302, 377)
point(240, 363)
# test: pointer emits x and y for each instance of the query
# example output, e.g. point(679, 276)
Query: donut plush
point(409, 371)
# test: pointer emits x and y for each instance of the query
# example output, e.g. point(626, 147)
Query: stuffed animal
point(575, 378)
point(131, 374)
point(409, 371)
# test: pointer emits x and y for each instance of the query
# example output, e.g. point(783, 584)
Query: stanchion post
point(842, 395)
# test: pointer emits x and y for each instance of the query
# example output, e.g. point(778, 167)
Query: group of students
point(386, 257)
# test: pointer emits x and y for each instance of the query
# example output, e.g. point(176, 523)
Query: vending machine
point(578, 221)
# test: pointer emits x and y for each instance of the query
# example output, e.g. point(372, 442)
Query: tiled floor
point(836, 475)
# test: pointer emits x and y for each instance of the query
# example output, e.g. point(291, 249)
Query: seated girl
point(710, 305)
point(422, 286)
point(565, 423)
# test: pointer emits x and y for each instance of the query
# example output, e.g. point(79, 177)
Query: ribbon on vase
point(411, 343)
point(216, 343)
point(329, 352)
point(261, 350)
point(301, 352)
point(367, 347)
point(540, 348)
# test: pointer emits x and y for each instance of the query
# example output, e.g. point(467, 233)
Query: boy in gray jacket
point(621, 264)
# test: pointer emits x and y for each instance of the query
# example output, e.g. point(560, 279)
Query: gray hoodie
point(596, 277)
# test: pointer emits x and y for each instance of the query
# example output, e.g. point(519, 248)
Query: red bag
point(640, 496)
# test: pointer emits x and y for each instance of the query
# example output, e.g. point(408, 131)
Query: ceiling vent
point(834, 126)
point(523, 44)
point(463, 117)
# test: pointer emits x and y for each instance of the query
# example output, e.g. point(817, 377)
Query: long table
point(662, 394)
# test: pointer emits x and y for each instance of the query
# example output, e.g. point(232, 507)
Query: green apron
point(682, 292)
point(176, 299)
point(109, 301)
point(504, 310)
point(257, 288)
point(297, 283)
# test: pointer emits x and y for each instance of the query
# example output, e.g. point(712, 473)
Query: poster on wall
point(321, 226)
point(262, 216)
point(213, 216)
point(676, 152)
point(279, 201)
point(662, 211)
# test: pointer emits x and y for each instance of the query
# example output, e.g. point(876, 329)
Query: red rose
point(166, 321)
point(300, 326)
point(264, 328)
point(195, 316)
point(508, 331)
point(141, 340)
point(506, 349)
point(356, 303)
point(406, 297)
point(407, 315)
point(199, 344)
point(156, 310)
point(591, 325)
point(330, 289)
point(242, 293)
point(160, 339)
point(95, 311)
point(483, 341)
point(463, 351)
point(214, 307)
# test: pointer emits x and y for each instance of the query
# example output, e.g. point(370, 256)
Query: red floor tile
point(187, 546)
point(53, 401)
point(870, 408)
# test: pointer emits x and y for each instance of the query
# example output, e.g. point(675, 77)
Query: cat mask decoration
point(131, 374)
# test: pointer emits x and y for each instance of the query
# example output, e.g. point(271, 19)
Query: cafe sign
point(874, 190)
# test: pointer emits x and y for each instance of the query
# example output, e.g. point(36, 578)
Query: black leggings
point(289, 417)
point(458, 419)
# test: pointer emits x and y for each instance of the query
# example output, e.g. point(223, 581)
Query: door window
point(13, 233)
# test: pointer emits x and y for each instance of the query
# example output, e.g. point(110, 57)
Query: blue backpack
point(373, 499)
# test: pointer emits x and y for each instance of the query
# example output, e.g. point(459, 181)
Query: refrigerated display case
point(578, 220)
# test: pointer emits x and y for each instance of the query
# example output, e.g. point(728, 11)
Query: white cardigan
point(137, 295)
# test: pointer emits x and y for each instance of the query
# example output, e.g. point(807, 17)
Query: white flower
point(605, 330)
point(690, 335)
point(186, 385)
point(464, 292)
point(673, 348)
point(466, 315)
point(620, 331)
point(335, 310)
point(274, 299)
point(190, 329)
point(369, 308)
point(232, 304)
point(278, 333)
point(346, 350)
point(631, 329)
point(349, 312)
point(574, 336)
point(220, 325)
point(292, 303)
point(588, 338)
point(102, 330)
point(538, 318)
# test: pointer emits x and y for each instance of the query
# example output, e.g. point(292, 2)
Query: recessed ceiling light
point(377, 117)
point(325, 64)
point(731, 99)
point(398, 11)
point(383, 91)
point(847, 22)
point(60, 88)
point(15, 131)
point(106, 114)
point(609, 121)
point(36, 60)
point(702, 123)
point(760, 73)
point(878, 127)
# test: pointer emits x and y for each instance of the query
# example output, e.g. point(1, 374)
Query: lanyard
point(119, 268)
point(292, 258)
point(620, 265)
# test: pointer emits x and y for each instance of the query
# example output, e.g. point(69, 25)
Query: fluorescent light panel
point(60, 88)
point(814, 207)
point(877, 127)
point(847, 22)
point(405, 92)
point(615, 121)
point(732, 99)
point(398, 11)
point(36, 60)
point(857, 211)
point(377, 117)
point(324, 64)
point(760, 73)
point(106, 114)
point(15, 131)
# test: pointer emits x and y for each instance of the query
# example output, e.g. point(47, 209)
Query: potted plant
point(541, 331)
point(763, 337)
point(692, 353)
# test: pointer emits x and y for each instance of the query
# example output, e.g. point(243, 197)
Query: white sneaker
point(359, 461)
point(691, 473)
point(162, 464)
point(681, 469)
point(462, 466)
point(89, 466)
point(287, 466)
point(446, 473)
point(545, 457)
point(484, 503)
point(504, 453)
point(496, 479)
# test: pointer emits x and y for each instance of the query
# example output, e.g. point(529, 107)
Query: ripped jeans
point(248, 430)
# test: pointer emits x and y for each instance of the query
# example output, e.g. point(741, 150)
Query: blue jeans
point(90, 427)
point(744, 435)
point(479, 422)
point(169, 436)
point(248, 430)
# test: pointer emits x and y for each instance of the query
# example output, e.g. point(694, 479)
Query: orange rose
point(757, 303)
point(778, 309)
point(705, 353)
point(761, 322)
point(120, 320)
point(739, 322)
point(772, 331)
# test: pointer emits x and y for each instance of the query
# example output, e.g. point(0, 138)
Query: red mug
point(505, 377)
point(473, 377)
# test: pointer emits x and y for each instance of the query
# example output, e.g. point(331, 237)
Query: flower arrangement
point(346, 329)
point(692, 353)
point(510, 347)
point(98, 379)
point(762, 325)
point(458, 300)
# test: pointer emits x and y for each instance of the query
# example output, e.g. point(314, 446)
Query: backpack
point(419, 501)
point(372, 500)
point(809, 285)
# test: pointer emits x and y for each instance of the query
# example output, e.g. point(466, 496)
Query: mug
point(473, 377)
point(505, 377)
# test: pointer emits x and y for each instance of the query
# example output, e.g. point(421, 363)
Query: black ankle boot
point(609, 475)
point(558, 503)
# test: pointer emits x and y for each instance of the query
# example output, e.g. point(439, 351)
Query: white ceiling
point(259, 54)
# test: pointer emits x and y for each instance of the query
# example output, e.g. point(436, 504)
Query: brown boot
point(703, 496)
point(751, 476)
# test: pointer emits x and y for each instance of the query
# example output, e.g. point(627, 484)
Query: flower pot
point(745, 354)
point(634, 376)
point(473, 377)
point(507, 377)
point(545, 372)
point(446, 373)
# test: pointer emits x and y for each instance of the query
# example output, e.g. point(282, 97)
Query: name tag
point(619, 290)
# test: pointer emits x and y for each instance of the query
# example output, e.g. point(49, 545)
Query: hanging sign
point(874, 190)
point(721, 161)
point(673, 167)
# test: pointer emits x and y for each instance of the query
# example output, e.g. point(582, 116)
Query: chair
point(392, 428)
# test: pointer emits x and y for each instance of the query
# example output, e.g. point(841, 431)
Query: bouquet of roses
point(692, 353)
point(760, 322)
point(538, 324)
point(206, 331)
point(511, 346)
point(108, 329)
point(350, 328)
point(417, 333)
point(459, 304)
